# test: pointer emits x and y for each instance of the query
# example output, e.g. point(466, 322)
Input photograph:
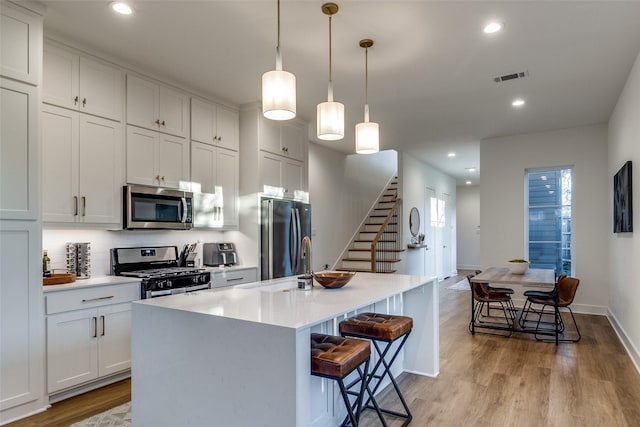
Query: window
point(549, 218)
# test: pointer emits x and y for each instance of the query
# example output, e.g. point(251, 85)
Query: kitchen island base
point(241, 356)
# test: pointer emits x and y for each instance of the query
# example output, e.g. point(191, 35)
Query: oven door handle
point(184, 209)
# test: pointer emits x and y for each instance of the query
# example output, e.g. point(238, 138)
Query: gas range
point(159, 269)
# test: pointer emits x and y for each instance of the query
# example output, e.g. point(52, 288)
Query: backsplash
point(55, 240)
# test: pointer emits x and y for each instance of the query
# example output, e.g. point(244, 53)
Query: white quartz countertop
point(229, 268)
point(279, 302)
point(91, 282)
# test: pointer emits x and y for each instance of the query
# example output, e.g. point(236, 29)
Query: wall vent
point(513, 76)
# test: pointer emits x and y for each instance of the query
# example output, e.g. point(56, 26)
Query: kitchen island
point(241, 356)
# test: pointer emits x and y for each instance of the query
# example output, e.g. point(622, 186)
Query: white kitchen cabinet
point(286, 139)
point(214, 124)
point(216, 170)
point(88, 334)
point(21, 313)
point(156, 159)
point(279, 174)
point(223, 278)
point(82, 167)
point(157, 107)
point(81, 83)
point(19, 151)
point(20, 44)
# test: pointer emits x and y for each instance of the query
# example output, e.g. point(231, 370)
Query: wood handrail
point(383, 227)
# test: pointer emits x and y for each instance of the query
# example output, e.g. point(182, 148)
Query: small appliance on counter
point(219, 254)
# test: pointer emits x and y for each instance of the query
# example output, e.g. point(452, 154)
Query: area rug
point(120, 416)
point(462, 285)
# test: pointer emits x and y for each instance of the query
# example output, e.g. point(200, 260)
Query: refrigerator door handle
point(293, 242)
point(298, 239)
point(270, 233)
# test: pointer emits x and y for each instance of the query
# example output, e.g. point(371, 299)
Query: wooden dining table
point(533, 277)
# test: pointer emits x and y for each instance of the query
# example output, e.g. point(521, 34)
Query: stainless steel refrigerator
point(283, 224)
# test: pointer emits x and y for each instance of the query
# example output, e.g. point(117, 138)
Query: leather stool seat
point(333, 356)
point(386, 327)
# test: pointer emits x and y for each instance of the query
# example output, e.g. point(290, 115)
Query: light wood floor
point(484, 380)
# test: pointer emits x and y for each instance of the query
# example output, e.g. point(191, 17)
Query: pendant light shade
point(367, 133)
point(330, 124)
point(278, 89)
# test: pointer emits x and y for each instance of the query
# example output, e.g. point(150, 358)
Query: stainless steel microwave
point(147, 207)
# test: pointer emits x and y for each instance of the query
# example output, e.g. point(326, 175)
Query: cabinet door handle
point(97, 299)
point(75, 204)
point(102, 318)
point(95, 327)
point(84, 102)
point(235, 279)
point(163, 178)
point(84, 206)
point(163, 123)
point(157, 122)
point(75, 100)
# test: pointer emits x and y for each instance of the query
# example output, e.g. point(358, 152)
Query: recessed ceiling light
point(121, 8)
point(493, 27)
point(451, 154)
point(468, 182)
point(518, 102)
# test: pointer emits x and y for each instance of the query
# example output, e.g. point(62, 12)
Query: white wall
point(502, 202)
point(624, 248)
point(468, 227)
point(342, 189)
point(415, 177)
point(54, 241)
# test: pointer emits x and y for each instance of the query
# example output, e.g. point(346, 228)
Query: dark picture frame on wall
point(623, 200)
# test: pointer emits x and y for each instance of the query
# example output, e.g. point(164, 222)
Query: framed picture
point(622, 200)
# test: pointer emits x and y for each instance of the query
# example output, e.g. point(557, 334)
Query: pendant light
point(278, 89)
point(330, 114)
point(367, 133)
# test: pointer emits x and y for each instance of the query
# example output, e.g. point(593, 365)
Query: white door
point(100, 89)
point(142, 102)
point(114, 344)
point(173, 112)
point(173, 161)
point(72, 344)
point(60, 164)
point(227, 128)
point(202, 122)
point(430, 228)
point(227, 178)
point(101, 177)
point(444, 223)
point(142, 153)
point(203, 162)
point(60, 75)
point(292, 177)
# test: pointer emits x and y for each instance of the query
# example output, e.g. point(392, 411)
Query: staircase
point(377, 246)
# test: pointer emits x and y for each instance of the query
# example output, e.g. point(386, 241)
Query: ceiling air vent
point(513, 76)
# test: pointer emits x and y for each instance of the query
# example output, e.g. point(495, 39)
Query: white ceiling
point(431, 69)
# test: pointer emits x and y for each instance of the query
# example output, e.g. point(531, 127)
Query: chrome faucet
point(305, 254)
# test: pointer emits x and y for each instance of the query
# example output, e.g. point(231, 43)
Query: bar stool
point(335, 358)
point(387, 329)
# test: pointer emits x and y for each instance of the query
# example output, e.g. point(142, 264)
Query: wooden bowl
point(333, 279)
point(59, 279)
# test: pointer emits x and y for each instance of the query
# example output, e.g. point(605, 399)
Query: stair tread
point(362, 270)
point(377, 250)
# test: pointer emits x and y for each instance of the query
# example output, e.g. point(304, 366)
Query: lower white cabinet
point(87, 344)
point(223, 278)
point(154, 158)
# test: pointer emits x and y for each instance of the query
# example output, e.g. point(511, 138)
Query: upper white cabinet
point(287, 139)
point(20, 44)
point(82, 167)
point(19, 154)
point(214, 124)
point(153, 106)
point(216, 171)
point(156, 159)
point(81, 83)
point(279, 174)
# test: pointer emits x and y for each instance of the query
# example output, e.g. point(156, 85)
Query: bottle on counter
point(46, 265)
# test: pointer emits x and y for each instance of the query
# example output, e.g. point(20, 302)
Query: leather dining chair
point(563, 298)
point(481, 295)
